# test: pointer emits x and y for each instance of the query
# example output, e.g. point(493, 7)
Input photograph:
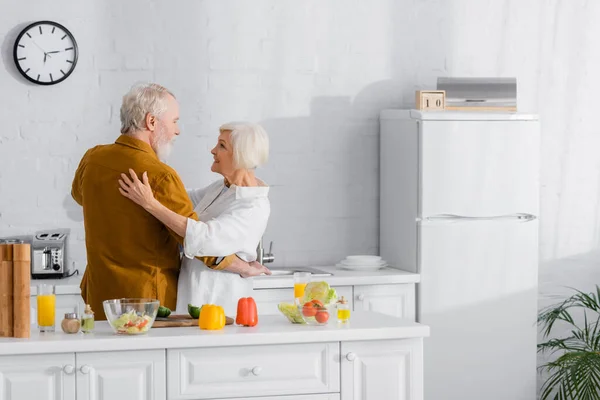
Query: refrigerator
point(459, 204)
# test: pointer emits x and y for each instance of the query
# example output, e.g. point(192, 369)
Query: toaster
point(49, 254)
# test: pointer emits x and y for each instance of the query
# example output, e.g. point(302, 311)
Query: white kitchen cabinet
point(389, 369)
point(222, 372)
point(39, 377)
point(123, 375)
point(65, 303)
point(268, 299)
point(397, 300)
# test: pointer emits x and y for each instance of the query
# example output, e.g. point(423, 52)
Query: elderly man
point(130, 253)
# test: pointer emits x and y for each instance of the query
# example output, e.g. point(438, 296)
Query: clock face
point(45, 53)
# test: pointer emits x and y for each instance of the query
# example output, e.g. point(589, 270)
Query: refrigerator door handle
point(521, 217)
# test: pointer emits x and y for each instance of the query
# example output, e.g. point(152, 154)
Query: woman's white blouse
point(231, 220)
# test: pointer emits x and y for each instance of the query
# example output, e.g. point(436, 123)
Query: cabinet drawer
point(221, 372)
point(268, 299)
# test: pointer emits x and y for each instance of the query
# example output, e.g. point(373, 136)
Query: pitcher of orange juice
point(301, 279)
point(46, 307)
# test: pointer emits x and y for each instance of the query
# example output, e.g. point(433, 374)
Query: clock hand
point(38, 46)
point(53, 52)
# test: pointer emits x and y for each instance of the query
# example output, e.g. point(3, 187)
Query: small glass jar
point(343, 310)
point(71, 323)
point(87, 320)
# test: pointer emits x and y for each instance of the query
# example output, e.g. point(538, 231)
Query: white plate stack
point(362, 263)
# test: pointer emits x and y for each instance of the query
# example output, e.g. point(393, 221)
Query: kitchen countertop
point(340, 277)
point(271, 329)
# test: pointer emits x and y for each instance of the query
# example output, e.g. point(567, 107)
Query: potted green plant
point(575, 372)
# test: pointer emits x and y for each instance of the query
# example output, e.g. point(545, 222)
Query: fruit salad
point(131, 323)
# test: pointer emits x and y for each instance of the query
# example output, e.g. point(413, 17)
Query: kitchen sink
point(281, 271)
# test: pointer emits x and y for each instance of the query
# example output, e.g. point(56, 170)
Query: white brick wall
point(295, 67)
point(315, 73)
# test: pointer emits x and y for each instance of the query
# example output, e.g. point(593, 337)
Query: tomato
point(317, 302)
point(309, 310)
point(322, 316)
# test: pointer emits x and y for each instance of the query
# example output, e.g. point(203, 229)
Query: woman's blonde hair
point(250, 144)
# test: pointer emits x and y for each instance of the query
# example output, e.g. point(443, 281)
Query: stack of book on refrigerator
point(479, 94)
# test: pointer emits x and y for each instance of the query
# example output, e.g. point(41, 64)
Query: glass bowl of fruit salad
point(133, 316)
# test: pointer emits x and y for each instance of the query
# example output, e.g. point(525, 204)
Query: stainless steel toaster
point(49, 254)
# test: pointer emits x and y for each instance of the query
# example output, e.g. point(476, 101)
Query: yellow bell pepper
point(212, 317)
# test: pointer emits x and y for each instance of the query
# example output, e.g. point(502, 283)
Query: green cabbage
point(292, 313)
point(319, 291)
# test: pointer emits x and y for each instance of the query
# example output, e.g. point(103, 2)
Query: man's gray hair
point(142, 98)
point(250, 144)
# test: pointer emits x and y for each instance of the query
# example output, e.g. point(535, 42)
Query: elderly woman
point(232, 212)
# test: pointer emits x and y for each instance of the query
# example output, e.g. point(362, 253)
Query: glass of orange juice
point(301, 279)
point(46, 307)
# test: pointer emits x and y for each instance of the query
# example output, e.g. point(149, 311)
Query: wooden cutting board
point(178, 321)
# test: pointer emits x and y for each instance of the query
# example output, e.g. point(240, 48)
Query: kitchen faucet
point(261, 256)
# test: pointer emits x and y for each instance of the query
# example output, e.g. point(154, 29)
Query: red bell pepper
point(247, 314)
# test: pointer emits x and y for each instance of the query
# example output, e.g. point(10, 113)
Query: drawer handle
point(360, 297)
point(256, 371)
point(351, 356)
point(85, 369)
point(68, 369)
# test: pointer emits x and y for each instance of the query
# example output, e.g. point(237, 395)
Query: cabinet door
point(395, 300)
point(40, 377)
point(387, 369)
point(124, 375)
point(268, 299)
point(65, 303)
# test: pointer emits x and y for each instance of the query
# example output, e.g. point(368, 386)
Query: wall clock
point(45, 53)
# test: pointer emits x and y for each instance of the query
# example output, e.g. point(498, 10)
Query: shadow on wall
point(7, 53)
point(328, 162)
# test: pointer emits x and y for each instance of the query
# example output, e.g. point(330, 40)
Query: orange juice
point(299, 290)
point(343, 315)
point(46, 306)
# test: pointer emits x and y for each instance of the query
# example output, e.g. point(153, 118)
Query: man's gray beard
point(163, 150)
point(162, 147)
